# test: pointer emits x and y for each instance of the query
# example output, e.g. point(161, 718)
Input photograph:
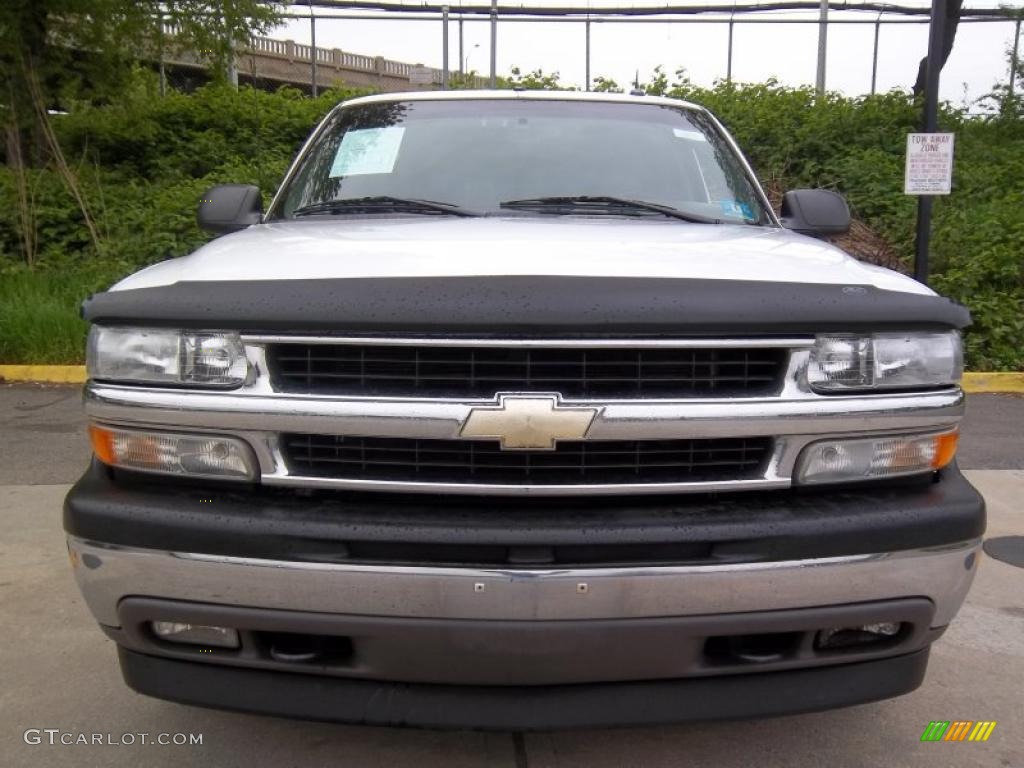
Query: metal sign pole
point(929, 124)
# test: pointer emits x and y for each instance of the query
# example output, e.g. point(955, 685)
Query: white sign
point(421, 75)
point(929, 164)
point(368, 150)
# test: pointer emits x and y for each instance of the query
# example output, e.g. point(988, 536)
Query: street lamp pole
point(465, 66)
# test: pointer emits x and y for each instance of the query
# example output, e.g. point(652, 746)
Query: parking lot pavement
point(59, 672)
point(43, 431)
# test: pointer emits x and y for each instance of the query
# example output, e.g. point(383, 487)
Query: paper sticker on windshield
point(737, 209)
point(368, 150)
point(682, 133)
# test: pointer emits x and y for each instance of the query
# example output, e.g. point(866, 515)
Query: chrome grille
point(481, 371)
point(483, 462)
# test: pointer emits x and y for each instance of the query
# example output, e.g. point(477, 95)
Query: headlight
point(157, 356)
point(167, 453)
point(885, 361)
point(835, 461)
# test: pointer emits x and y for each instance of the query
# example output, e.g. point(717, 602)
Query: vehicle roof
point(520, 94)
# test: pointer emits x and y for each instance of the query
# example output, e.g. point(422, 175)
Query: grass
point(39, 314)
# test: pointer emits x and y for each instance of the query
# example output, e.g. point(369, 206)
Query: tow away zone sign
point(929, 169)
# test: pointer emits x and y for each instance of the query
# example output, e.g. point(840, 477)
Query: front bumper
point(735, 625)
point(523, 708)
point(513, 649)
point(107, 574)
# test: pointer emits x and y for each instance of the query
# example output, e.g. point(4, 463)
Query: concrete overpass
point(285, 62)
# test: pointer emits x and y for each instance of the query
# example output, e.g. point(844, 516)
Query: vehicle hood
point(332, 248)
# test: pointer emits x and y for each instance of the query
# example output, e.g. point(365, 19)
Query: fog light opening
point(841, 638)
point(195, 634)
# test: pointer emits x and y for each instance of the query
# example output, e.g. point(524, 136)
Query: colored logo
point(958, 730)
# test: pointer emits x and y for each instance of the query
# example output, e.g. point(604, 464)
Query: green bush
point(144, 160)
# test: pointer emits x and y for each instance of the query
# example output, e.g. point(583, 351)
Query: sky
point(785, 51)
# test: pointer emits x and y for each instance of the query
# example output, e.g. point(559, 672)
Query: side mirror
point(815, 212)
point(229, 208)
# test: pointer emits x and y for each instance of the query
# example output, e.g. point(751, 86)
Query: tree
point(606, 85)
point(1006, 99)
point(535, 81)
point(658, 84)
point(51, 50)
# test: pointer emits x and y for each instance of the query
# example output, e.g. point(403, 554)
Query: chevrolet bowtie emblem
point(523, 422)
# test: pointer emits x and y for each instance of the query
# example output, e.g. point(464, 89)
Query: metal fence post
point(160, 42)
point(494, 43)
point(822, 46)
point(444, 48)
point(1013, 61)
point(587, 68)
point(728, 64)
point(874, 56)
point(312, 46)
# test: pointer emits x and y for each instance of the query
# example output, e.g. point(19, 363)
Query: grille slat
point(478, 461)
point(439, 371)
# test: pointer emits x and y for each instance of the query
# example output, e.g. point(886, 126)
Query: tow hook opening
point(756, 649)
point(302, 648)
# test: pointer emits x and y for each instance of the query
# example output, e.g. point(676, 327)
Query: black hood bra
point(524, 305)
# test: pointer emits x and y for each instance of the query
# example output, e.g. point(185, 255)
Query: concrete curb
point(1005, 382)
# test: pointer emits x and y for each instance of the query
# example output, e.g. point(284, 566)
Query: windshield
point(481, 155)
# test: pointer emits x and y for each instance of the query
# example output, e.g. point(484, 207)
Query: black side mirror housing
point(818, 212)
point(229, 208)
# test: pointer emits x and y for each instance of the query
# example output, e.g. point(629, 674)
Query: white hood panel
point(425, 247)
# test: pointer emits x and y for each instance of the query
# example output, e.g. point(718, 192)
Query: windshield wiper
point(602, 204)
point(382, 204)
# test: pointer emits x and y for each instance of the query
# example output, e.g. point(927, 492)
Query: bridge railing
point(333, 57)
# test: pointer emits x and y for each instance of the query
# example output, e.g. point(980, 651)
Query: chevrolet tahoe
point(522, 410)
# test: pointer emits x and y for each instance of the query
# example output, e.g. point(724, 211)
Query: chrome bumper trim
point(766, 482)
point(107, 573)
point(443, 419)
point(795, 342)
point(793, 418)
